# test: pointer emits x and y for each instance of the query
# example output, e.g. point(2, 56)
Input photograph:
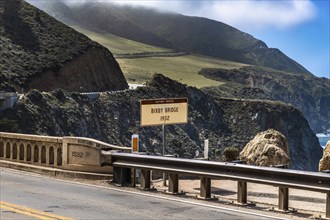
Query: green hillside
point(31, 42)
point(118, 45)
point(183, 68)
point(128, 30)
point(183, 33)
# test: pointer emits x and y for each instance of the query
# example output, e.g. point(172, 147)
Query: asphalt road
point(28, 196)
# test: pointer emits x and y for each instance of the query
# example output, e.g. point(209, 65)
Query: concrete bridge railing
point(70, 153)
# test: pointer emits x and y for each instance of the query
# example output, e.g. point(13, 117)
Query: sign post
point(164, 139)
point(162, 112)
point(164, 144)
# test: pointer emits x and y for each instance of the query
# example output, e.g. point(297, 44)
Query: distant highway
point(26, 196)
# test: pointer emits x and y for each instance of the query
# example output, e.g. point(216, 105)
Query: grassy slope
point(181, 68)
point(183, 33)
point(118, 45)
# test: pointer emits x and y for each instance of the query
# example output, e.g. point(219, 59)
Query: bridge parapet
point(70, 153)
point(84, 154)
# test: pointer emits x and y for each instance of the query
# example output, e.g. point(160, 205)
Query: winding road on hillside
point(150, 54)
point(27, 196)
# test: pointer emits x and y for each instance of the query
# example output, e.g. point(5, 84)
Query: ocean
point(323, 138)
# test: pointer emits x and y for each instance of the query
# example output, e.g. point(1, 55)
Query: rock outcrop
point(267, 148)
point(95, 70)
point(309, 94)
point(114, 117)
point(325, 161)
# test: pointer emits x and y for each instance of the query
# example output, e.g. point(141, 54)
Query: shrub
point(230, 154)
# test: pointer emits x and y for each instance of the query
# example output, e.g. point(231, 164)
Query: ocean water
point(323, 138)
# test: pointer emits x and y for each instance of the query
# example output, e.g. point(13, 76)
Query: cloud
point(262, 14)
point(242, 14)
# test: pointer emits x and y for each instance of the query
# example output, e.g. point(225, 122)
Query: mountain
point(278, 76)
point(114, 117)
point(182, 33)
point(308, 93)
point(40, 52)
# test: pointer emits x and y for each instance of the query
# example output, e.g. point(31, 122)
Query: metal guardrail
point(282, 178)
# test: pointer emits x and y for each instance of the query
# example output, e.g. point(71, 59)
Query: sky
point(299, 28)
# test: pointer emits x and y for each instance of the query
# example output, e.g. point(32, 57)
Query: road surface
point(29, 196)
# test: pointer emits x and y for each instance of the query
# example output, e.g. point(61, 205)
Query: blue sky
point(306, 42)
point(299, 28)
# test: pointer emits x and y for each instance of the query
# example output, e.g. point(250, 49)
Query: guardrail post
point(133, 177)
point(327, 209)
point(283, 198)
point(205, 188)
point(121, 175)
point(173, 183)
point(145, 179)
point(241, 192)
point(165, 177)
point(283, 193)
point(165, 174)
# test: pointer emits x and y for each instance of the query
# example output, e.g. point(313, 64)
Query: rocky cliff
point(95, 70)
point(310, 94)
point(37, 51)
point(115, 117)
